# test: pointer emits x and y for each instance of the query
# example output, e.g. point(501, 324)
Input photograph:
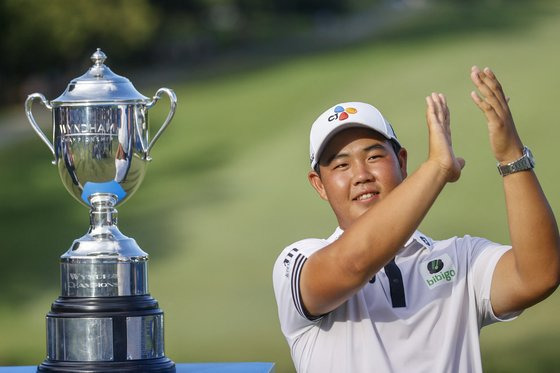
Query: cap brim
point(325, 141)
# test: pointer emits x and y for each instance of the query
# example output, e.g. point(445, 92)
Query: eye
point(340, 166)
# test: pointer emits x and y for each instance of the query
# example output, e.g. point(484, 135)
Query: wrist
point(508, 151)
point(511, 156)
point(523, 162)
point(438, 171)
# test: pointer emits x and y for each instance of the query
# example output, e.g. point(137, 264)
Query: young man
point(378, 295)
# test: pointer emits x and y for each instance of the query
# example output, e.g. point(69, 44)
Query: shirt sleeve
point(484, 255)
point(286, 277)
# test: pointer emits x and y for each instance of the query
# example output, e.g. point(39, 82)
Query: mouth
point(368, 196)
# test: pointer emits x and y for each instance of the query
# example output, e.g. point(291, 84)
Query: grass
point(227, 190)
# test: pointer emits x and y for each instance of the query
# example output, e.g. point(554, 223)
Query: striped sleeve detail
point(296, 274)
point(296, 292)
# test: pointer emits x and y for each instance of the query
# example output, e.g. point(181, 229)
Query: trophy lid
point(99, 84)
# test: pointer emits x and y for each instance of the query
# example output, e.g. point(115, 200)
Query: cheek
point(336, 187)
point(339, 183)
point(396, 178)
point(392, 172)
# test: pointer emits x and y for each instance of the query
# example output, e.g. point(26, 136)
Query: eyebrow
point(344, 155)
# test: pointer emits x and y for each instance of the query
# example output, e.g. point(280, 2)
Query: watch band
point(526, 162)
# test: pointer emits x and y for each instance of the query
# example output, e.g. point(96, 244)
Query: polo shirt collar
point(336, 235)
point(417, 236)
point(421, 238)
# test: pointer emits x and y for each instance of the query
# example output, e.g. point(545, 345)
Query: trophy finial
point(98, 57)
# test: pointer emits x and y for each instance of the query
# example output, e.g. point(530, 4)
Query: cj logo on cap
point(341, 113)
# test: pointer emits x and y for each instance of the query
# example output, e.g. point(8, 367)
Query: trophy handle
point(173, 102)
point(28, 104)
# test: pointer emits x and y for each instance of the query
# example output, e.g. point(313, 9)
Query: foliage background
point(227, 188)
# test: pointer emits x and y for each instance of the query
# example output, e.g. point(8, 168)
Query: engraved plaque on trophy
point(105, 318)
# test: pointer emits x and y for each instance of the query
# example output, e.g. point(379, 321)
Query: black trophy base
point(118, 334)
point(160, 365)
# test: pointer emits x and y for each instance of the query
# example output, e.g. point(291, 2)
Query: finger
point(482, 104)
point(475, 75)
point(485, 107)
point(488, 71)
point(430, 113)
point(433, 114)
point(482, 83)
point(485, 86)
point(479, 79)
point(438, 107)
point(477, 100)
point(492, 81)
point(445, 114)
point(491, 89)
point(430, 105)
point(444, 105)
point(434, 104)
point(442, 98)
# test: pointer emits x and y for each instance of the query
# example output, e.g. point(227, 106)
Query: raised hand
point(492, 101)
point(441, 148)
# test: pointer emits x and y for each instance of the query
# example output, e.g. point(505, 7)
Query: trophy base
point(160, 365)
point(103, 334)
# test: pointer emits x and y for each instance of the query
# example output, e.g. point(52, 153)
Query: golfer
point(380, 296)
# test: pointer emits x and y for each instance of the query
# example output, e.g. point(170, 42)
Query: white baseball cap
point(342, 116)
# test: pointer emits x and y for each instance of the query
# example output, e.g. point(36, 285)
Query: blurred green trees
point(42, 40)
point(44, 44)
point(41, 37)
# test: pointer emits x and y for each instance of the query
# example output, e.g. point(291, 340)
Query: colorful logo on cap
point(341, 113)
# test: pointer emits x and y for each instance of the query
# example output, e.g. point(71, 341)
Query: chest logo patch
point(438, 271)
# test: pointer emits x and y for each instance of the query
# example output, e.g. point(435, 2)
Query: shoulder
point(285, 279)
point(472, 249)
point(306, 247)
point(299, 250)
point(465, 242)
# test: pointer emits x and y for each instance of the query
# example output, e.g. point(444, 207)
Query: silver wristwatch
point(526, 162)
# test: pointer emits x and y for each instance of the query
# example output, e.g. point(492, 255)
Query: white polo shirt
point(423, 313)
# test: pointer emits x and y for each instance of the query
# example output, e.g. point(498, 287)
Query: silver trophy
point(105, 318)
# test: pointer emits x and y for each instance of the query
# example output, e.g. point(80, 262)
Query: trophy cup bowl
point(105, 319)
point(100, 131)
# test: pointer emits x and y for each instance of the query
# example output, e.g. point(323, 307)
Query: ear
point(317, 184)
point(402, 157)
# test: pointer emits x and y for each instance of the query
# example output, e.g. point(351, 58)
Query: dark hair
point(396, 146)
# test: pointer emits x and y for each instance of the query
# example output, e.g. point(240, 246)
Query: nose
point(362, 173)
